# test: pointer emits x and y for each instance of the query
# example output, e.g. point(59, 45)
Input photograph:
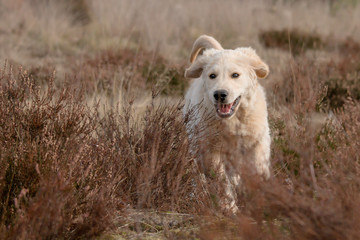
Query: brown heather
point(66, 173)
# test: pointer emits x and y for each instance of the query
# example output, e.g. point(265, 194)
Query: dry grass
point(66, 172)
point(93, 142)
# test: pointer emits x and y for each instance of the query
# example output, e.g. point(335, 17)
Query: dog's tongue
point(225, 108)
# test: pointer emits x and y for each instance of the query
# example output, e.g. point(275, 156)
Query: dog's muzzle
point(226, 110)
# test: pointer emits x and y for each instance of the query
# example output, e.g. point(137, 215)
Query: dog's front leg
point(228, 181)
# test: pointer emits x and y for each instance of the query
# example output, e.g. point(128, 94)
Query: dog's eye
point(235, 75)
point(212, 76)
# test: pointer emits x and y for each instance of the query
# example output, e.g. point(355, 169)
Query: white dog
point(225, 85)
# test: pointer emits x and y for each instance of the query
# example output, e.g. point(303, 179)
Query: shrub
point(129, 70)
point(294, 41)
point(66, 172)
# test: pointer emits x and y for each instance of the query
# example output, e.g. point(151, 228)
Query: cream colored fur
point(246, 132)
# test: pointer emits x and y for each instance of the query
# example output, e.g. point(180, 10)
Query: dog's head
point(229, 76)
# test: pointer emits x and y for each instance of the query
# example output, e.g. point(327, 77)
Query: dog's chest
point(238, 135)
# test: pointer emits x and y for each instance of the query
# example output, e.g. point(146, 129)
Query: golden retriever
point(225, 85)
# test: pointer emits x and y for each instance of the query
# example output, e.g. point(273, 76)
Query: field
point(93, 143)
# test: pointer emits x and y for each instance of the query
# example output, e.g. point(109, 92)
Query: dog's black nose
point(220, 95)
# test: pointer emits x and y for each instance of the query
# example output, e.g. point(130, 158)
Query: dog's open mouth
point(226, 110)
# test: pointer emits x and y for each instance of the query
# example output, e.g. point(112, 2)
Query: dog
point(225, 86)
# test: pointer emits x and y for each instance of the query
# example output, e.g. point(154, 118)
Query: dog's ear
point(203, 42)
point(196, 69)
point(261, 68)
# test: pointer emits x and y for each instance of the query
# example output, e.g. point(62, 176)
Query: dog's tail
point(203, 42)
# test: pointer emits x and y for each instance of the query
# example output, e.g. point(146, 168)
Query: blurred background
point(46, 35)
point(45, 29)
